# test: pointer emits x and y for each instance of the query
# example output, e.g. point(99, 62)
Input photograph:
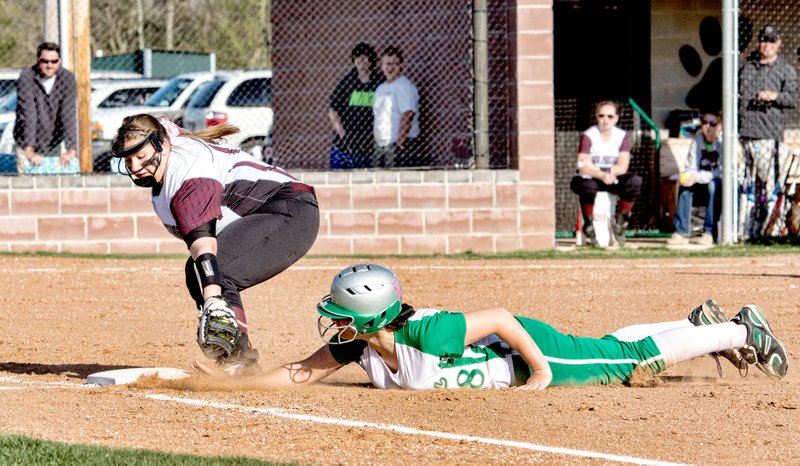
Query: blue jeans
point(344, 160)
point(710, 194)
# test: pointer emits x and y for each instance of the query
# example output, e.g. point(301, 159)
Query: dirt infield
point(64, 318)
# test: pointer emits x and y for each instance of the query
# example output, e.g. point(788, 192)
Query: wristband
point(207, 269)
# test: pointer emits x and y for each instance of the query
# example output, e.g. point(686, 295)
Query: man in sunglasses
point(46, 114)
point(767, 86)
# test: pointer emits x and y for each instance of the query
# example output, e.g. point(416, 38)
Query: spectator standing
point(702, 176)
point(767, 86)
point(396, 111)
point(603, 158)
point(46, 111)
point(350, 111)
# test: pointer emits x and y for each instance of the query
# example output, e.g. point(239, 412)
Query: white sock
point(682, 344)
point(638, 332)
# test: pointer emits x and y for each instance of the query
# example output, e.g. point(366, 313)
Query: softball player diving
point(364, 320)
point(243, 221)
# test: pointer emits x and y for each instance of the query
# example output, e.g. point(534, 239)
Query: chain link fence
point(226, 38)
point(315, 72)
point(272, 67)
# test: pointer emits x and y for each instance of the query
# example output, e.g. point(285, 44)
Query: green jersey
point(431, 354)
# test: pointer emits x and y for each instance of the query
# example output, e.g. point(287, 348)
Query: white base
point(126, 376)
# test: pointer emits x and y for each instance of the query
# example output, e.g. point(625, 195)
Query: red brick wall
point(360, 212)
point(381, 212)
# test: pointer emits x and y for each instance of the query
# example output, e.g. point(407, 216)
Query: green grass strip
point(641, 252)
point(18, 450)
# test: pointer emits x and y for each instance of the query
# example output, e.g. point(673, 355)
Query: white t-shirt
point(604, 154)
point(391, 101)
point(47, 83)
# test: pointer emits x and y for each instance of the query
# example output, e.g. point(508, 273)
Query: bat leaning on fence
point(778, 209)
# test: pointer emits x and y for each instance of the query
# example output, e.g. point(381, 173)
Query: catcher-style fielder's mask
point(364, 298)
point(156, 139)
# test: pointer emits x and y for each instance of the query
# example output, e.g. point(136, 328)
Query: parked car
point(8, 81)
point(169, 101)
point(243, 99)
point(115, 93)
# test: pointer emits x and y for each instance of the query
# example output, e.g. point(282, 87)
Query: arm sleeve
point(585, 145)
point(196, 202)
point(787, 97)
point(441, 334)
point(338, 98)
point(625, 146)
point(692, 157)
point(25, 128)
point(349, 352)
point(69, 111)
point(408, 98)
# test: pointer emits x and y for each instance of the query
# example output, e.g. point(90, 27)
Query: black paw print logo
point(706, 94)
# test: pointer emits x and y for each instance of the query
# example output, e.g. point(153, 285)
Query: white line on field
point(277, 412)
point(726, 266)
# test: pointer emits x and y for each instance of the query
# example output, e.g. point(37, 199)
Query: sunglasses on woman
point(711, 123)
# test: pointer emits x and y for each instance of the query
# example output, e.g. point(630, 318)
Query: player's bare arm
point(588, 168)
point(502, 323)
point(310, 370)
point(621, 167)
point(405, 127)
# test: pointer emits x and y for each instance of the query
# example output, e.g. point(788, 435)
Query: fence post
point(481, 82)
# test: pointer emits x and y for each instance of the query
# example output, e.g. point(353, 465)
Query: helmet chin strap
point(150, 180)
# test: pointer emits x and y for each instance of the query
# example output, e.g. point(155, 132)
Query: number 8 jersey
point(431, 354)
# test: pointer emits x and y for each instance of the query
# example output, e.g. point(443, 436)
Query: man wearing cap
point(767, 86)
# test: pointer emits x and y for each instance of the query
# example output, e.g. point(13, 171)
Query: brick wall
point(413, 212)
point(391, 212)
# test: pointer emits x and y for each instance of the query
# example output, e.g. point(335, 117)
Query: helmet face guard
point(152, 138)
point(366, 296)
point(333, 333)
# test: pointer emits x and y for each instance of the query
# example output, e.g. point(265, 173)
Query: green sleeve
point(441, 334)
point(346, 353)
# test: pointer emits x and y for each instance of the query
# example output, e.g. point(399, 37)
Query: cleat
point(709, 313)
point(618, 227)
point(588, 233)
point(762, 345)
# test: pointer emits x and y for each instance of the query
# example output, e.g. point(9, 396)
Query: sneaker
point(768, 352)
point(588, 233)
point(677, 239)
point(705, 240)
point(618, 227)
point(709, 313)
